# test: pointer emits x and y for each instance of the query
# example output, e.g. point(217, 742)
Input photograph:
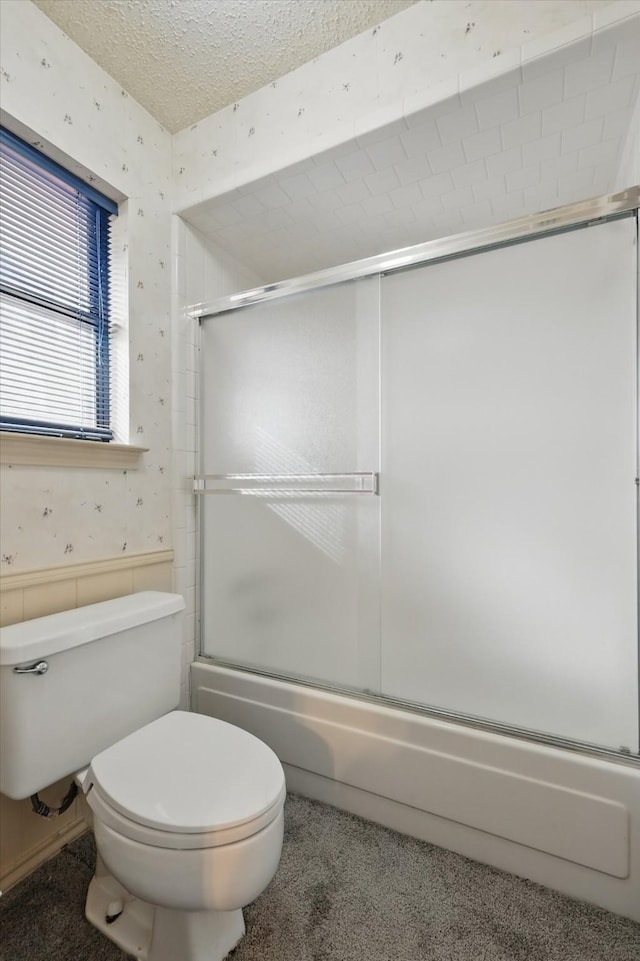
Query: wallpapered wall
point(50, 87)
point(367, 82)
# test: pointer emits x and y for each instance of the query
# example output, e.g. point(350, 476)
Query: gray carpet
point(346, 890)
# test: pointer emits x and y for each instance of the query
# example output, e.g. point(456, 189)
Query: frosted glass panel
point(290, 583)
point(509, 502)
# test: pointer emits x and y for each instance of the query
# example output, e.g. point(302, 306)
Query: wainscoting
point(25, 839)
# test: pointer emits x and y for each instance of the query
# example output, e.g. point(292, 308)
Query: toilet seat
point(186, 781)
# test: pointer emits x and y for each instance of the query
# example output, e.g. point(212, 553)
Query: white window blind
point(54, 298)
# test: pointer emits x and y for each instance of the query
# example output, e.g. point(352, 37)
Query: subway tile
point(399, 218)
point(249, 206)
point(375, 206)
point(541, 196)
point(626, 59)
point(519, 179)
point(577, 184)
point(326, 176)
point(458, 198)
point(611, 97)
point(350, 213)
point(325, 200)
point(492, 77)
point(409, 171)
point(433, 100)
point(557, 50)
point(428, 208)
point(382, 181)
point(546, 148)
point(617, 124)
point(355, 165)
point(541, 93)
point(477, 215)
point(272, 196)
point(351, 193)
point(558, 167)
point(588, 74)
point(386, 153)
point(494, 187)
point(436, 186)
point(509, 206)
point(498, 109)
point(297, 187)
point(521, 131)
point(472, 173)
point(446, 158)
point(405, 196)
point(421, 139)
point(379, 125)
point(504, 162)
point(458, 125)
point(483, 144)
point(569, 113)
point(584, 135)
point(601, 153)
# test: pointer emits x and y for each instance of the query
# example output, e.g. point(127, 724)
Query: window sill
point(65, 452)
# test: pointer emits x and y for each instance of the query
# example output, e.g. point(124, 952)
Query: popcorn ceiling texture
point(184, 60)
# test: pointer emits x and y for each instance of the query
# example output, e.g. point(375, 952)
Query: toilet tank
point(110, 668)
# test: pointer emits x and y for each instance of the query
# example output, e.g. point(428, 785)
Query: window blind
point(54, 298)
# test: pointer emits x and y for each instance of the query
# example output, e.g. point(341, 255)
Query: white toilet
point(187, 810)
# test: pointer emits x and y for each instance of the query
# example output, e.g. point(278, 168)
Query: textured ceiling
point(185, 59)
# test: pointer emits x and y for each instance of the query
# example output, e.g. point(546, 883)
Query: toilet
point(187, 810)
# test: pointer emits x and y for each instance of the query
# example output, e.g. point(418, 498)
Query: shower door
point(509, 576)
point(289, 396)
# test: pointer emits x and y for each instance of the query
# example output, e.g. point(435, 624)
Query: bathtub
point(567, 819)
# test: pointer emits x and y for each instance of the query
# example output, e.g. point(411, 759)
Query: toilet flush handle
point(41, 667)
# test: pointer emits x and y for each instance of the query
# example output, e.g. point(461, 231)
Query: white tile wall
point(514, 136)
point(202, 272)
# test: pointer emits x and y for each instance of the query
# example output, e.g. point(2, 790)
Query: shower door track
point(558, 220)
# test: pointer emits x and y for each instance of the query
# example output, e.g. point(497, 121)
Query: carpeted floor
point(346, 890)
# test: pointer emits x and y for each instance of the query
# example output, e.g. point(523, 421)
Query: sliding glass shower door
point(509, 586)
point(495, 575)
point(290, 403)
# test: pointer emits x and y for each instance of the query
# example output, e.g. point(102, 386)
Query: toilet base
point(151, 933)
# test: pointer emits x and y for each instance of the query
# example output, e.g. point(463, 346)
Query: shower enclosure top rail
point(522, 229)
point(262, 485)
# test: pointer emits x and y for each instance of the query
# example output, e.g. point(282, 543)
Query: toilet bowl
point(187, 814)
point(187, 810)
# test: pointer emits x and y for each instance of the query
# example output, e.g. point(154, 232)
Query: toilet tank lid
point(44, 636)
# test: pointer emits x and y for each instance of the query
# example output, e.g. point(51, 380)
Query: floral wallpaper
point(358, 87)
point(55, 96)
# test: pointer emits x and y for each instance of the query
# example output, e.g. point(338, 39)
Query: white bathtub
point(564, 819)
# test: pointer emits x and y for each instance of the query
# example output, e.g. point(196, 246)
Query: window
point(54, 298)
